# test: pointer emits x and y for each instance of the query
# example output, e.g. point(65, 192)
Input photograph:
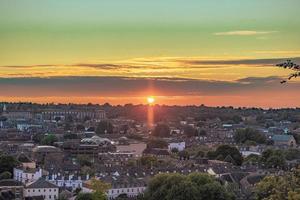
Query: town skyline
point(214, 53)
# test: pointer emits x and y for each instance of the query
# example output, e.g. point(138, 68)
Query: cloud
point(115, 86)
point(261, 62)
point(244, 33)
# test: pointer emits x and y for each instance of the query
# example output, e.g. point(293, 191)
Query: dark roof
point(23, 158)
point(41, 183)
point(10, 182)
point(255, 179)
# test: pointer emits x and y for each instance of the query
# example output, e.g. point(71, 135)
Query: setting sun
point(150, 100)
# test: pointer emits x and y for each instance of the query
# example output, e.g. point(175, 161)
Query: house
point(27, 175)
point(180, 146)
point(42, 188)
point(11, 189)
point(284, 140)
point(72, 181)
point(157, 152)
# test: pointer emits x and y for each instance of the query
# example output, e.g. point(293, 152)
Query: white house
point(69, 181)
point(27, 175)
point(180, 146)
point(129, 190)
point(42, 188)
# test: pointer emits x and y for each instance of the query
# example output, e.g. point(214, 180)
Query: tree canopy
point(161, 130)
point(286, 187)
point(223, 152)
point(49, 139)
point(7, 163)
point(104, 127)
point(249, 134)
point(195, 186)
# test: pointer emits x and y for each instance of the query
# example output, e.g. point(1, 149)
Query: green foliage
point(224, 151)
point(49, 139)
point(84, 196)
point(99, 189)
point(190, 131)
point(161, 130)
point(104, 127)
point(286, 187)
point(273, 158)
point(196, 186)
point(7, 163)
point(148, 161)
point(291, 154)
point(5, 175)
point(248, 134)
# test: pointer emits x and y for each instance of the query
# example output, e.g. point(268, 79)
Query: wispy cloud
point(244, 33)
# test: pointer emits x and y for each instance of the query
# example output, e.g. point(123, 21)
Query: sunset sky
point(213, 52)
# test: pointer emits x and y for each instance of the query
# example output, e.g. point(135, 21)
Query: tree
point(292, 154)
point(290, 65)
point(273, 158)
point(148, 161)
point(49, 139)
point(99, 189)
point(195, 186)
point(5, 175)
point(7, 163)
point(225, 150)
point(286, 187)
point(190, 131)
point(249, 134)
point(104, 127)
point(84, 196)
point(161, 130)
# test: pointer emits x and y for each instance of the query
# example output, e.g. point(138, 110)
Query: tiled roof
point(41, 183)
point(282, 137)
point(10, 182)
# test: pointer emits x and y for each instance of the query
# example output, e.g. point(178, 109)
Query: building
point(180, 146)
point(42, 188)
point(11, 189)
point(70, 181)
point(42, 153)
point(27, 175)
point(75, 114)
point(284, 140)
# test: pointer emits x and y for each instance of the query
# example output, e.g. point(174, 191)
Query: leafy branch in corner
point(290, 65)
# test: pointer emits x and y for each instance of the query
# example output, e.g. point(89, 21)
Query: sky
point(212, 52)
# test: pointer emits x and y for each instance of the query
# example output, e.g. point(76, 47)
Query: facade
point(42, 188)
point(11, 188)
point(78, 114)
point(180, 146)
point(27, 175)
point(67, 181)
point(130, 190)
point(285, 140)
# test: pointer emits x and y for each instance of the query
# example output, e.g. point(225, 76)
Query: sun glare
point(150, 100)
